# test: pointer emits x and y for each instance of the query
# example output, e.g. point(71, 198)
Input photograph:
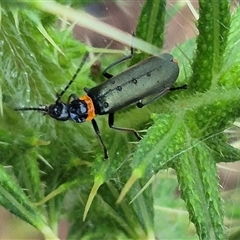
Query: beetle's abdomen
point(148, 77)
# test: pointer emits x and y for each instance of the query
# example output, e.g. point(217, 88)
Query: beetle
point(147, 80)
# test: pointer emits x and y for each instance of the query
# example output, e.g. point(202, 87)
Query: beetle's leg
point(74, 96)
point(111, 125)
point(177, 88)
point(140, 104)
point(96, 129)
point(108, 75)
point(86, 90)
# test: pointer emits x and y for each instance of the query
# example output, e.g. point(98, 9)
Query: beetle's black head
point(58, 110)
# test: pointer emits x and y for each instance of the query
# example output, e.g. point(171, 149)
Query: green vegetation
point(52, 170)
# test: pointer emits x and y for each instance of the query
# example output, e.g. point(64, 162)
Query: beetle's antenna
point(40, 109)
point(74, 77)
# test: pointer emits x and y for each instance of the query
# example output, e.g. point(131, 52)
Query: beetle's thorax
point(78, 110)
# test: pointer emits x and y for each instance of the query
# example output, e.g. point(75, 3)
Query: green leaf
point(213, 26)
point(14, 199)
point(151, 26)
point(222, 150)
point(197, 175)
point(60, 165)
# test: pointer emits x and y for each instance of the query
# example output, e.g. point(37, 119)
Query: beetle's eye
point(58, 111)
point(54, 110)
